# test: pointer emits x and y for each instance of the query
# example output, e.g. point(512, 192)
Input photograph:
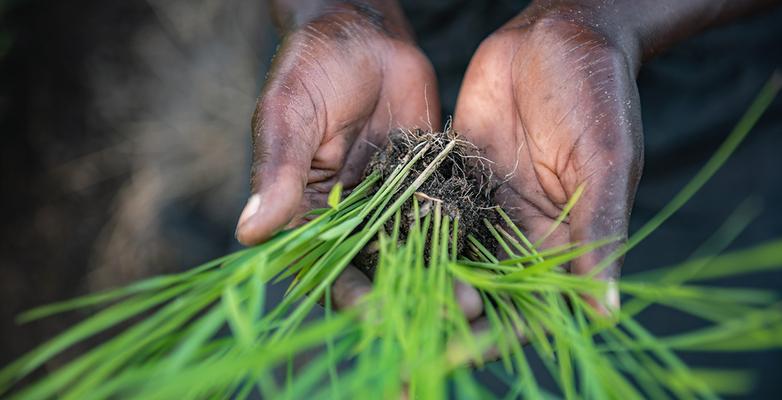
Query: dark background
point(125, 128)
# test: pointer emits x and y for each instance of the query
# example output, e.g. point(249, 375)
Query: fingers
point(287, 128)
point(282, 153)
point(603, 212)
point(352, 285)
point(469, 300)
point(322, 94)
point(349, 288)
point(492, 353)
point(614, 157)
point(271, 207)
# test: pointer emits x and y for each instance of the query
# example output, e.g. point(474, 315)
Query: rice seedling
point(207, 332)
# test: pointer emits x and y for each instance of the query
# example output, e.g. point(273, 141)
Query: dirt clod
point(460, 184)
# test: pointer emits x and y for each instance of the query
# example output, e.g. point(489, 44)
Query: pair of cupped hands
point(549, 98)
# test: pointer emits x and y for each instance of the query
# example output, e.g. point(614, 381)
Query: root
point(461, 184)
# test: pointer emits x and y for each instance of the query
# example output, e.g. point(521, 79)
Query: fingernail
point(612, 296)
point(253, 203)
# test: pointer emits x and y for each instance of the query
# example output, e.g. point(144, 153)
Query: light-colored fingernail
point(253, 203)
point(612, 296)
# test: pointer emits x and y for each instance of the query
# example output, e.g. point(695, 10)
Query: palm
point(363, 115)
point(555, 108)
point(335, 101)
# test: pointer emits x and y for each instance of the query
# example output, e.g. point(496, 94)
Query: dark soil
point(460, 184)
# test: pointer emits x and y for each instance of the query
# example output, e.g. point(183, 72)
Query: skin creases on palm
point(360, 123)
point(329, 101)
point(555, 107)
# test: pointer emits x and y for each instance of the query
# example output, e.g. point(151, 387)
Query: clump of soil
point(460, 184)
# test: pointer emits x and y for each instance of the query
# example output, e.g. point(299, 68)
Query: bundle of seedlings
point(424, 217)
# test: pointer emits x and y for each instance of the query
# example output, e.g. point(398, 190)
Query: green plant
point(408, 336)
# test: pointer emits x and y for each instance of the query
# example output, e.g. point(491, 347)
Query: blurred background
point(125, 151)
point(125, 143)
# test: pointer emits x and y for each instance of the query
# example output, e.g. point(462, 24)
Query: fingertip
point(609, 304)
point(247, 235)
point(469, 300)
point(250, 209)
point(482, 326)
point(262, 225)
point(611, 300)
point(349, 288)
point(270, 209)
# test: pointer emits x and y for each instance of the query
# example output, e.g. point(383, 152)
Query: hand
point(335, 88)
point(337, 85)
point(552, 101)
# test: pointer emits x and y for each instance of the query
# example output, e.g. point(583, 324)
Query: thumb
point(281, 160)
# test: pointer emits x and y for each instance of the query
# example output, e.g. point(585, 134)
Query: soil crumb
point(460, 184)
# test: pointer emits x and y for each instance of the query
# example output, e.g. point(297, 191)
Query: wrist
point(383, 17)
point(619, 35)
point(642, 29)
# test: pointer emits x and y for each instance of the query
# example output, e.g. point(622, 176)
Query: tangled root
point(460, 184)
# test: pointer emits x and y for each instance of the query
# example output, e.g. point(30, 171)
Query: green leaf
point(717, 160)
point(239, 321)
point(341, 229)
point(335, 195)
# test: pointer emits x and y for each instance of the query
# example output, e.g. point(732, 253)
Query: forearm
point(386, 15)
point(644, 28)
point(659, 24)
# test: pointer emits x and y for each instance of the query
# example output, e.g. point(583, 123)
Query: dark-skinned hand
point(550, 98)
point(337, 85)
point(553, 102)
